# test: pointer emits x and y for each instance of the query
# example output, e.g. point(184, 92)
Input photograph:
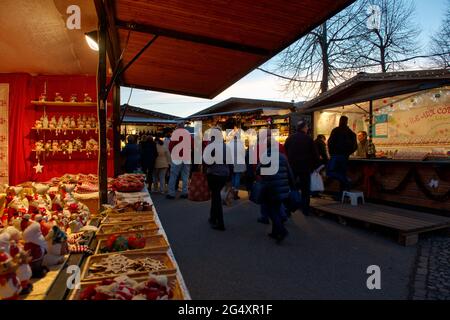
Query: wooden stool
point(354, 196)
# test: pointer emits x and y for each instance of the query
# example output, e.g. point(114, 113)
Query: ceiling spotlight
point(92, 39)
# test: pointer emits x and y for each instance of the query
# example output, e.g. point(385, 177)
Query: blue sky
point(258, 85)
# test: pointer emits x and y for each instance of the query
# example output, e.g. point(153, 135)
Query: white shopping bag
point(316, 181)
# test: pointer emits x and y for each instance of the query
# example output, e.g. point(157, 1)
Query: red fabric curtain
point(22, 117)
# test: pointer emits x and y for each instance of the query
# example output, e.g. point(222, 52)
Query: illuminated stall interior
point(247, 114)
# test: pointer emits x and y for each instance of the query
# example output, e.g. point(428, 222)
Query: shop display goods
point(153, 287)
point(143, 228)
point(116, 243)
point(131, 263)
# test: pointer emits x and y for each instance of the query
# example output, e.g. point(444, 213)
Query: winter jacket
point(342, 141)
point(302, 153)
point(321, 148)
point(163, 159)
point(133, 157)
point(218, 169)
point(277, 187)
point(148, 154)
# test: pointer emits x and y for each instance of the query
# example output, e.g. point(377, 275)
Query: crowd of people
point(299, 157)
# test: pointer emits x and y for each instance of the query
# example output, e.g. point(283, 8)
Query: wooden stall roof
point(132, 111)
point(35, 39)
point(203, 46)
point(233, 105)
point(371, 86)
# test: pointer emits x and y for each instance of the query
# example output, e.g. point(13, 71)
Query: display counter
point(422, 184)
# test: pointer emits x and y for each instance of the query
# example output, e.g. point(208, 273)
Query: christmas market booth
point(66, 210)
point(139, 121)
point(247, 114)
point(407, 117)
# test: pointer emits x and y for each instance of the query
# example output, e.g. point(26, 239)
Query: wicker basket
point(161, 256)
point(173, 281)
point(152, 243)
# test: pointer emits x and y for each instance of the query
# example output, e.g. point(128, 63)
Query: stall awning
point(203, 46)
point(35, 38)
point(368, 86)
point(264, 111)
point(139, 120)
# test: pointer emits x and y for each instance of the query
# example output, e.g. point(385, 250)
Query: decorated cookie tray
point(151, 243)
point(131, 263)
point(173, 281)
point(138, 228)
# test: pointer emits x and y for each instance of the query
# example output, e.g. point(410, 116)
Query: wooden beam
point(101, 110)
point(113, 35)
point(116, 128)
point(168, 33)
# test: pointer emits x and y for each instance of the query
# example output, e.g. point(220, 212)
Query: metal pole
point(101, 110)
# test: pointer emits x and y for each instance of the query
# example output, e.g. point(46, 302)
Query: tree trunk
point(383, 59)
point(325, 62)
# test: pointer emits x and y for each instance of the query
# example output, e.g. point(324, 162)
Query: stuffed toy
point(9, 283)
point(36, 244)
point(57, 247)
point(24, 273)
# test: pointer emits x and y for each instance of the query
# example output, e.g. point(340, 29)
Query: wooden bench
point(409, 224)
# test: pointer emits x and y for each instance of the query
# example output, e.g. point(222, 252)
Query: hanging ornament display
point(38, 167)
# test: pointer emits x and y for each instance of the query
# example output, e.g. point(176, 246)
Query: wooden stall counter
point(424, 185)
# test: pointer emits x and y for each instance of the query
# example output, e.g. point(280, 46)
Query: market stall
point(407, 117)
point(54, 116)
point(139, 121)
point(247, 114)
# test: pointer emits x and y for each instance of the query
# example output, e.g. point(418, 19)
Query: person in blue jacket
point(275, 191)
point(132, 155)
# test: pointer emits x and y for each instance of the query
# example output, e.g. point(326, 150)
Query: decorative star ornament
point(38, 167)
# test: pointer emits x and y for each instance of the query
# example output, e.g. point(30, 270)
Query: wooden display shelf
point(152, 243)
point(144, 228)
point(163, 257)
point(68, 129)
point(64, 104)
point(173, 280)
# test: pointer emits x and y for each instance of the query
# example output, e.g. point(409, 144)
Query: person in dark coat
point(321, 146)
point(341, 144)
point(217, 176)
point(303, 158)
point(148, 156)
point(275, 191)
point(132, 155)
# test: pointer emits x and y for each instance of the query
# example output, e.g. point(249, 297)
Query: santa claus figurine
point(9, 283)
point(24, 272)
point(36, 244)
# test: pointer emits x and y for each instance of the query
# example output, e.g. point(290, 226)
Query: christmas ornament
point(38, 167)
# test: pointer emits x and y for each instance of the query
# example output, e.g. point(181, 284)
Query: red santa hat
point(33, 234)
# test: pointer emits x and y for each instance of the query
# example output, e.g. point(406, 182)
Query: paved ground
point(320, 259)
point(432, 270)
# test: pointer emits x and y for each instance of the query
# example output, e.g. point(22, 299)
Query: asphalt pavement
point(320, 259)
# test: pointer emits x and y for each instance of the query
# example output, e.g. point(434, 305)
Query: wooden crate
point(161, 256)
point(117, 213)
point(152, 243)
point(174, 283)
point(148, 228)
point(126, 218)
